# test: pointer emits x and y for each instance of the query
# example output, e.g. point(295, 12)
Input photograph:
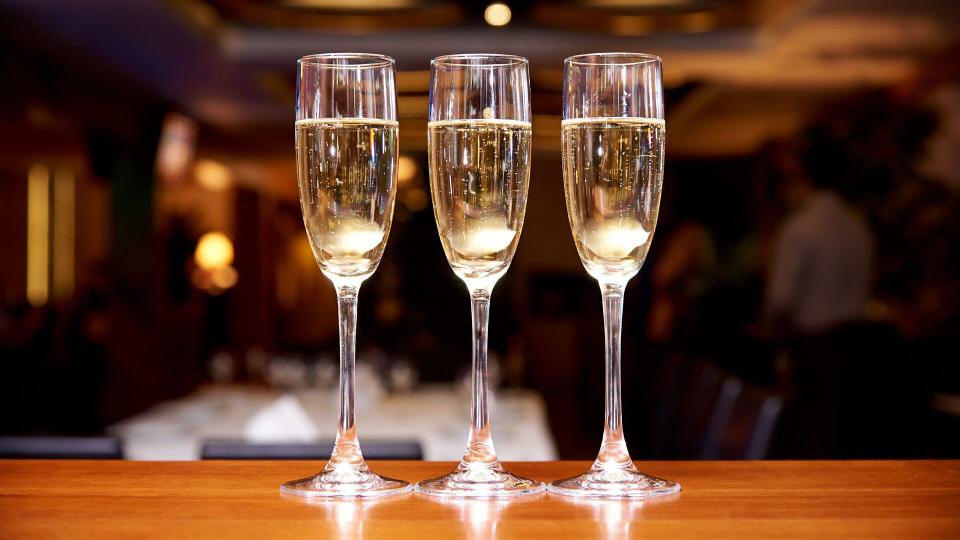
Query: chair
point(743, 422)
point(700, 405)
point(32, 447)
point(687, 389)
point(720, 419)
point(383, 450)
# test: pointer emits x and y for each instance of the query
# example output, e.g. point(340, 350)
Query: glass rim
point(368, 60)
point(609, 59)
point(502, 60)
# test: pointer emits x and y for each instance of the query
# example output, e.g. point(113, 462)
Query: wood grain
point(234, 499)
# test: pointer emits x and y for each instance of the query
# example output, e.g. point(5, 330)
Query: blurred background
point(801, 299)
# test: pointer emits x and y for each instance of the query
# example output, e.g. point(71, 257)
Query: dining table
point(106, 499)
point(178, 429)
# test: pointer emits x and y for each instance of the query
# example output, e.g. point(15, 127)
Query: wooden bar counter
point(240, 499)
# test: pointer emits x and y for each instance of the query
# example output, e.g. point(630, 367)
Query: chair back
point(743, 423)
point(374, 450)
point(32, 447)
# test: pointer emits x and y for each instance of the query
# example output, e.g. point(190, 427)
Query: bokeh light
point(497, 14)
point(214, 250)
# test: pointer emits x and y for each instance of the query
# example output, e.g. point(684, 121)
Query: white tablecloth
point(437, 416)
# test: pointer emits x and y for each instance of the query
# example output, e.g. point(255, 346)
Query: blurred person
point(821, 271)
point(857, 390)
point(819, 283)
point(872, 146)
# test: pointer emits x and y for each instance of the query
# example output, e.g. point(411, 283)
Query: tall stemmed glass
point(479, 143)
point(613, 137)
point(346, 133)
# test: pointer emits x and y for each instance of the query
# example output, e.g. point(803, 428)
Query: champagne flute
point(346, 132)
point(479, 138)
point(613, 140)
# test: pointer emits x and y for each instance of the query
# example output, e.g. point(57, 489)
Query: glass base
point(614, 483)
point(334, 484)
point(479, 483)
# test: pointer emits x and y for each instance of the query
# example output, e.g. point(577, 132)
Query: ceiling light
point(497, 14)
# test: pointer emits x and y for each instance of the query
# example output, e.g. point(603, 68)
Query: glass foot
point(614, 483)
point(333, 484)
point(480, 483)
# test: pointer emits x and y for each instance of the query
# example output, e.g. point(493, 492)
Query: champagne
point(347, 170)
point(613, 170)
point(479, 174)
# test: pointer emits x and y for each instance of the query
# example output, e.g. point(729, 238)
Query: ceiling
point(737, 71)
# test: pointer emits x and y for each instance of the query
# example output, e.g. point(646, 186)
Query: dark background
point(105, 312)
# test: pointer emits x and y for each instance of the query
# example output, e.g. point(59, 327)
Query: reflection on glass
point(613, 517)
point(481, 517)
point(344, 519)
point(618, 519)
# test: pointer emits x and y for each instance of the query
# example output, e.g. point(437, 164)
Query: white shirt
point(822, 271)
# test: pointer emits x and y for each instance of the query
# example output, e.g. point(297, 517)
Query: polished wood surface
point(236, 499)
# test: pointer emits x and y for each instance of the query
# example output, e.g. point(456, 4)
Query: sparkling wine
point(479, 174)
point(347, 168)
point(613, 170)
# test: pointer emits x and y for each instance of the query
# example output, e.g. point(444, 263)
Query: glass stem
point(346, 450)
point(613, 451)
point(480, 451)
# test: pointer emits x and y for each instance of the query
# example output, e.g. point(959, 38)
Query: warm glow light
point(175, 151)
point(214, 250)
point(350, 5)
point(64, 232)
point(212, 175)
point(38, 235)
point(223, 277)
point(497, 14)
point(637, 3)
point(406, 169)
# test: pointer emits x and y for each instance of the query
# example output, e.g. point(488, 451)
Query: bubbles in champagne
point(479, 173)
point(613, 171)
point(347, 175)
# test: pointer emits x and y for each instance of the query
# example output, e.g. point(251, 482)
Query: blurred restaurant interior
point(160, 299)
